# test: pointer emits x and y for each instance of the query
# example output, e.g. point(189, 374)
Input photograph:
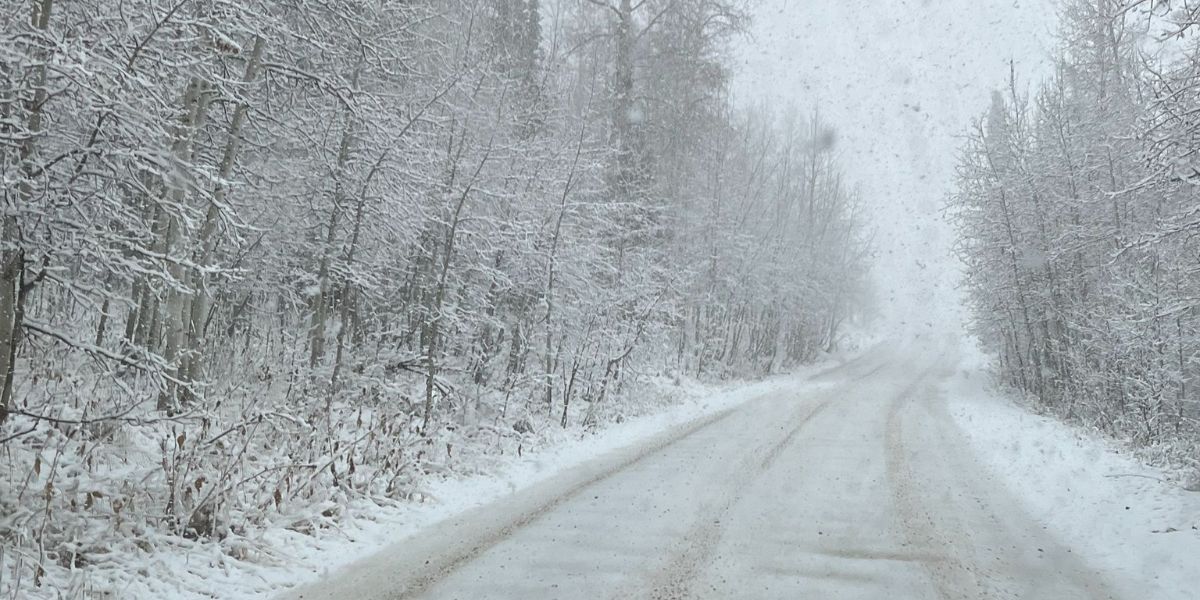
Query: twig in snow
point(1136, 475)
point(18, 434)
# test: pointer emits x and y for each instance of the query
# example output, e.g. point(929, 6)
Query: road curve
point(855, 485)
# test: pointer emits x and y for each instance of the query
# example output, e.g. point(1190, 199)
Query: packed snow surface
point(894, 476)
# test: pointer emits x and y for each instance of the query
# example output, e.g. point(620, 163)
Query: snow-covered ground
point(858, 484)
point(287, 558)
point(900, 474)
point(1123, 517)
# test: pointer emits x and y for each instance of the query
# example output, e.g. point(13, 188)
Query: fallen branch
point(1136, 475)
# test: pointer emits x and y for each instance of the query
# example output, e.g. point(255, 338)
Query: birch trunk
point(198, 305)
point(174, 317)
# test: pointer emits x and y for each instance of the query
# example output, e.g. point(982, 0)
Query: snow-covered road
point(855, 484)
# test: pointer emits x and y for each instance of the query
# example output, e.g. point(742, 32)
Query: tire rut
point(439, 568)
point(674, 582)
point(952, 576)
point(949, 576)
point(436, 569)
point(417, 571)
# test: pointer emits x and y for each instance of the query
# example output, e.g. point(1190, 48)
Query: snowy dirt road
point(855, 484)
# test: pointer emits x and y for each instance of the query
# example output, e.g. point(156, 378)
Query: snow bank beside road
point(1122, 516)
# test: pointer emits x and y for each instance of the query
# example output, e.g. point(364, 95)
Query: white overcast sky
point(900, 80)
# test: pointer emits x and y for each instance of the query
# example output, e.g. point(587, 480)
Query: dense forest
point(263, 258)
point(1078, 219)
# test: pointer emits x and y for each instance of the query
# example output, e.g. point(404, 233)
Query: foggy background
point(901, 81)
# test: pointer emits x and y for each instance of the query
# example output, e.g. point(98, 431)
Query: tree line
point(269, 257)
point(1078, 218)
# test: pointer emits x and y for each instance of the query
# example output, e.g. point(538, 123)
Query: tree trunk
point(431, 363)
point(12, 262)
point(320, 313)
point(197, 304)
point(174, 318)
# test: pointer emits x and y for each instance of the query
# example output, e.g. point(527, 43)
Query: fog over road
point(853, 484)
point(900, 83)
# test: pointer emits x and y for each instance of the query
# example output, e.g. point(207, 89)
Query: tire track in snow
point(423, 561)
point(877, 354)
point(959, 572)
point(949, 576)
point(674, 582)
point(439, 568)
